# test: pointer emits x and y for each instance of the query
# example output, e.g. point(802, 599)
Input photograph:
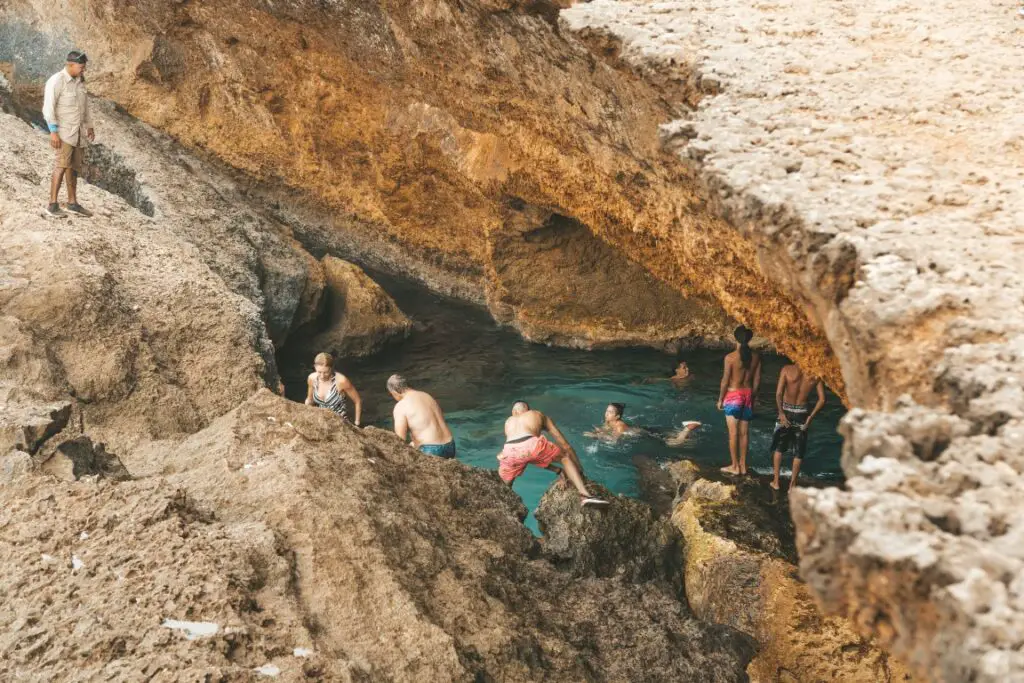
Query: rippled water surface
point(476, 370)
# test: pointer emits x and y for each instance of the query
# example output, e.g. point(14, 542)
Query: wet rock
point(740, 571)
point(626, 540)
point(361, 317)
point(80, 457)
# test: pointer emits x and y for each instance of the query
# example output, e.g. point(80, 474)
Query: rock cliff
point(458, 142)
point(281, 539)
point(872, 158)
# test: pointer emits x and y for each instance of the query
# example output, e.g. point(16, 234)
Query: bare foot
point(730, 469)
point(774, 485)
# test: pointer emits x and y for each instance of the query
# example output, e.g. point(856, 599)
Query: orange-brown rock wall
point(416, 123)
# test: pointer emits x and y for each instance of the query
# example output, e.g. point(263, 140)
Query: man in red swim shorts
point(526, 445)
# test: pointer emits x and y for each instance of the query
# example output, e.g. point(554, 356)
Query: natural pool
point(476, 370)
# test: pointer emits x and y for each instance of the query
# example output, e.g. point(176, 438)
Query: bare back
point(424, 418)
point(798, 385)
point(739, 377)
point(530, 423)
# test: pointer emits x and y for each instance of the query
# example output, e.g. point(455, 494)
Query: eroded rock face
point(873, 159)
point(401, 133)
point(360, 316)
point(740, 571)
point(125, 312)
point(288, 528)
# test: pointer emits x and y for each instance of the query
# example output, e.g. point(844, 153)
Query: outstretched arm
point(780, 391)
point(817, 406)
point(345, 385)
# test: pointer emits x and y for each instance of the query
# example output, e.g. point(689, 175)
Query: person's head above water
point(520, 407)
point(76, 62)
point(323, 363)
point(743, 335)
point(682, 369)
point(397, 386)
point(614, 412)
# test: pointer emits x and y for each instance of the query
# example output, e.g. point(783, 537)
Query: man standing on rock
point(525, 445)
point(418, 414)
point(795, 416)
point(66, 110)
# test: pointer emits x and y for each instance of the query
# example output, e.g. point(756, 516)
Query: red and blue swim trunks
point(739, 404)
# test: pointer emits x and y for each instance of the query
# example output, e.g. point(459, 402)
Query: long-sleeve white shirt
point(66, 107)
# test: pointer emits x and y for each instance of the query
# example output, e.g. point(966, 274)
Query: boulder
point(283, 536)
point(80, 457)
point(361, 317)
point(626, 541)
point(740, 570)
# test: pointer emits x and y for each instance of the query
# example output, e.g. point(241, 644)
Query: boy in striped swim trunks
point(526, 445)
point(795, 416)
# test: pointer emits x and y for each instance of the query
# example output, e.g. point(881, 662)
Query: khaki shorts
point(69, 156)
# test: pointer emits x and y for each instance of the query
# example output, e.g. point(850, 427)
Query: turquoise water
point(477, 370)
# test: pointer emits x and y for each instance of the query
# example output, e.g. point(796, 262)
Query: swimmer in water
point(680, 437)
point(680, 376)
point(614, 426)
point(526, 445)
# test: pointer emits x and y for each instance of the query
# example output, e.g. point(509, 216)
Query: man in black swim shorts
point(795, 416)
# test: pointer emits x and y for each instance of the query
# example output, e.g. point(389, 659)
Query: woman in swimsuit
point(330, 389)
point(741, 379)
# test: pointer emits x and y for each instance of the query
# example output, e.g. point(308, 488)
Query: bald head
point(520, 407)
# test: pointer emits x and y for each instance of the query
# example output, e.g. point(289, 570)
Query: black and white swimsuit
point(335, 399)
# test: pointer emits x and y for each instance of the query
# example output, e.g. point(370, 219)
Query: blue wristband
point(53, 127)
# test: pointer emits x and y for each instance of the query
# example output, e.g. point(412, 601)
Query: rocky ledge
point(872, 156)
point(282, 539)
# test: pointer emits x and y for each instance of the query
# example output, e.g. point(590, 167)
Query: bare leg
point(796, 471)
point(734, 468)
point(55, 181)
point(574, 475)
point(776, 468)
point(744, 445)
point(680, 437)
point(72, 178)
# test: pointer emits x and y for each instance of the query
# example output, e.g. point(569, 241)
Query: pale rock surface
point(873, 154)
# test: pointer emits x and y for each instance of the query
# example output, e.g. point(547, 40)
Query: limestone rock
point(402, 135)
point(124, 312)
point(80, 457)
point(27, 427)
point(874, 164)
point(739, 573)
point(361, 317)
point(285, 527)
point(625, 541)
